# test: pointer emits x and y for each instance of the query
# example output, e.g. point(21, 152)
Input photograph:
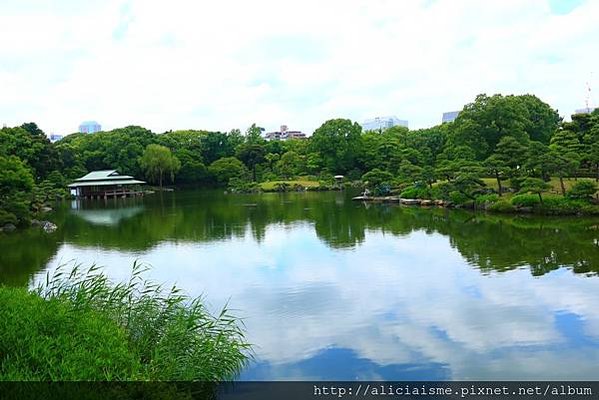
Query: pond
point(339, 290)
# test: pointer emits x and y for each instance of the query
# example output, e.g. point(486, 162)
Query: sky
point(228, 64)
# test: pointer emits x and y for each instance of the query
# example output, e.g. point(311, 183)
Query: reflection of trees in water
point(489, 242)
point(23, 254)
point(500, 243)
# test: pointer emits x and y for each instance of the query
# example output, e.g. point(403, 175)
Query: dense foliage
point(506, 138)
point(79, 326)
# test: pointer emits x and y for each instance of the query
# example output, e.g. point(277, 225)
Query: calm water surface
point(332, 289)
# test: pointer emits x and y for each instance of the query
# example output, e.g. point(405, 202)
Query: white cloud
point(225, 65)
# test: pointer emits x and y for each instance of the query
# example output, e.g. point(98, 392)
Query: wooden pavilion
point(105, 184)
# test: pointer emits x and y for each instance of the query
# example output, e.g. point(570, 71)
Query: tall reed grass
point(78, 325)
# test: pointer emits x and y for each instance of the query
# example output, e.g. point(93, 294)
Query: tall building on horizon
point(586, 110)
point(382, 123)
point(55, 137)
point(449, 116)
point(90, 127)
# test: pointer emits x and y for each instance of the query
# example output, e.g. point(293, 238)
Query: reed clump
point(78, 325)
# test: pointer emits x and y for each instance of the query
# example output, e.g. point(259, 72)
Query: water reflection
point(101, 215)
point(331, 289)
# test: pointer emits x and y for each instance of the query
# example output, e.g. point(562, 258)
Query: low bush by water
point(80, 326)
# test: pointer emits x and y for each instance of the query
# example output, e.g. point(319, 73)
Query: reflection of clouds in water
point(391, 300)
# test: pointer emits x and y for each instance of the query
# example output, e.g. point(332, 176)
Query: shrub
point(7, 218)
point(582, 190)
point(458, 198)
point(377, 178)
point(79, 326)
point(486, 199)
point(525, 200)
point(243, 186)
point(562, 205)
point(383, 189)
point(502, 206)
point(415, 192)
point(51, 340)
point(442, 191)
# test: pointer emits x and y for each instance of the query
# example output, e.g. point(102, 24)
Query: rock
point(49, 227)
point(35, 222)
point(410, 202)
point(426, 203)
point(525, 209)
point(46, 209)
point(8, 228)
point(439, 203)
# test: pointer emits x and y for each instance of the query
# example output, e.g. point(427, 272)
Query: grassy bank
point(79, 326)
point(283, 185)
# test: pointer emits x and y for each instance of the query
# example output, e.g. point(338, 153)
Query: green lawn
point(270, 186)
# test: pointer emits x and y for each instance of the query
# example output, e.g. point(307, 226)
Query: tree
point(16, 186)
point(483, 123)
point(251, 154)
point(378, 180)
point(409, 172)
point(227, 168)
point(563, 164)
point(338, 142)
point(158, 160)
point(469, 183)
point(565, 141)
point(508, 157)
point(253, 135)
point(32, 147)
point(538, 161)
point(289, 164)
point(496, 166)
point(217, 145)
point(583, 190)
point(542, 120)
point(535, 185)
point(192, 169)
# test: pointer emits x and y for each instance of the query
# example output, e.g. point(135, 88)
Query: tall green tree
point(157, 161)
point(338, 143)
point(31, 145)
point(483, 123)
point(227, 168)
point(252, 154)
point(16, 187)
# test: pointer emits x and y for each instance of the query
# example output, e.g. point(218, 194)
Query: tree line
point(519, 141)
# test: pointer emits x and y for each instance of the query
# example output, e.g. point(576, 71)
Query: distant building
point(284, 134)
point(55, 138)
point(587, 110)
point(90, 127)
point(382, 123)
point(449, 116)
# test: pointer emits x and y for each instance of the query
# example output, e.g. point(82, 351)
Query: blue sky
point(222, 66)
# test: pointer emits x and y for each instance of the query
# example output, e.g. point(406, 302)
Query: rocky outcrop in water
point(48, 226)
point(8, 228)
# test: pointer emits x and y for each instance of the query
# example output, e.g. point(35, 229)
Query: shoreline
point(538, 209)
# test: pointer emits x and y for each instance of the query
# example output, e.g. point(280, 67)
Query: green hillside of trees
point(497, 145)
